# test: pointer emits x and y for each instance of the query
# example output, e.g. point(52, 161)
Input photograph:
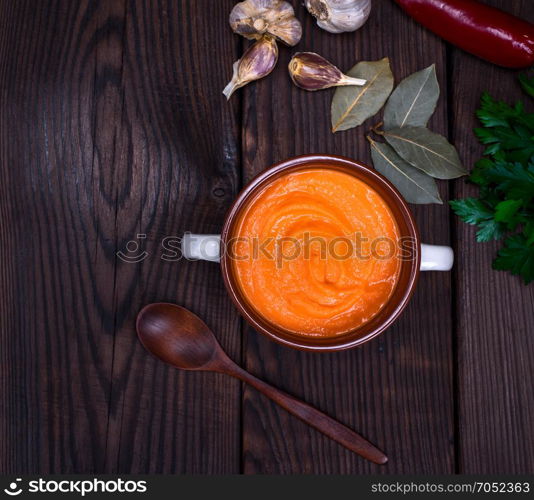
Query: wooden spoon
point(181, 339)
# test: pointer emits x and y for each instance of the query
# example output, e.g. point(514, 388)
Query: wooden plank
point(177, 151)
point(112, 125)
point(494, 309)
point(57, 323)
point(396, 390)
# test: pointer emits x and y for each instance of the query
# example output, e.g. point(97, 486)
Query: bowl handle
point(208, 247)
point(202, 247)
point(436, 258)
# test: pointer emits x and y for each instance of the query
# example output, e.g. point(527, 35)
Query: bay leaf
point(352, 105)
point(427, 151)
point(414, 100)
point(414, 185)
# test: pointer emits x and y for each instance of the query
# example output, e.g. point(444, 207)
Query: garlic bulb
point(254, 18)
point(339, 16)
point(257, 61)
point(310, 71)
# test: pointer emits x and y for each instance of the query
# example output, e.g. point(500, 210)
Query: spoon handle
point(323, 423)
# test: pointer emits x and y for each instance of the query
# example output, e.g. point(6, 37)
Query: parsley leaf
point(517, 256)
point(507, 130)
point(472, 210)
point(477, 212)
point(507, 212)
point(505, 177)
point(514, 180)
point(527, 83)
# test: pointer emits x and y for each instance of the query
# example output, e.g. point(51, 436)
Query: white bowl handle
point(208, 247)
point(202, 247)
point(436, 258)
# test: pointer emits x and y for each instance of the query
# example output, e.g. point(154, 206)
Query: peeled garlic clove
point(310, 71)
point(254, 18)
point(339, 16)
point(257, 61)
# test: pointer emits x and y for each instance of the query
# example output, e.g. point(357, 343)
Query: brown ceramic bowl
point(409, 272)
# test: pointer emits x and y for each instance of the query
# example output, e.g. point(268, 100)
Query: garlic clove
point(339, 16)
point(310, 71)
point(254, 18)
point(257, 61)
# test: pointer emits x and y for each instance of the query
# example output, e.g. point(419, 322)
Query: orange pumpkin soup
point(315, 252)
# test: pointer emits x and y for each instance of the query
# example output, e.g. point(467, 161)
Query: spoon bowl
point(178, 337)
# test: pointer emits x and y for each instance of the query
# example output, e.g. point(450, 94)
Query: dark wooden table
point(113, 125)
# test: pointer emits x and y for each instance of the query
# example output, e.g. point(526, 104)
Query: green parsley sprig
point(504, 208)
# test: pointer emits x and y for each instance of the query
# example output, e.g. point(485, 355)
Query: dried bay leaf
point(414, 100)
point(427, 151)
point(414, 185)
point(352, 105)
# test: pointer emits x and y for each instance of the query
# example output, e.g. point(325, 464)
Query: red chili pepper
point(484, 31)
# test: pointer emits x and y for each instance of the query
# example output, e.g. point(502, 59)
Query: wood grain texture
point(112, 125)
point(57, 346)
point(495, 312)
point(184, 145)
point(396, 390)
